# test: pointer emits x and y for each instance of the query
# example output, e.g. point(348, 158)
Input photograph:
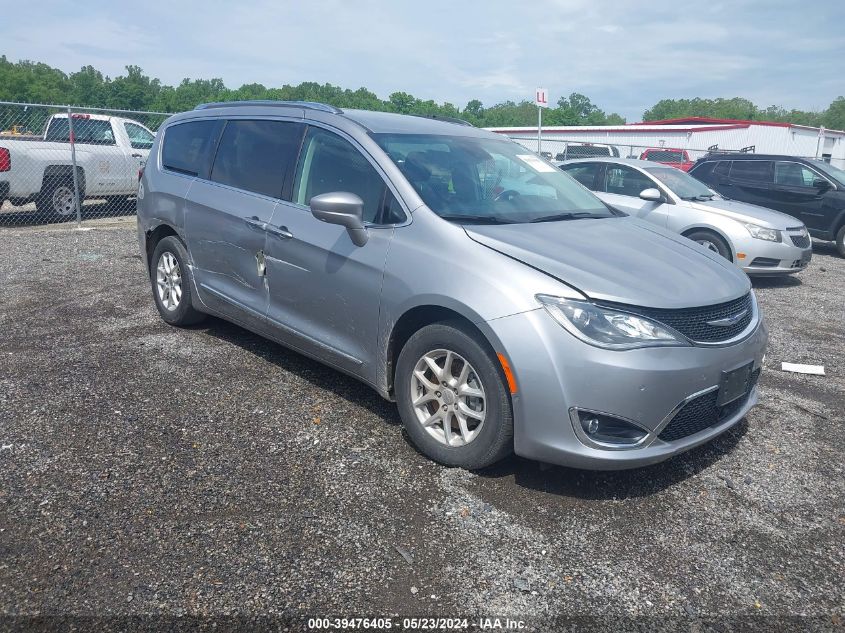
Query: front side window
point(829, 170)
point(487, 180)
point(139, 137)
point(722, 168)
point(257, 155)
point(625, 181)
point(585, 173)
point(186, 146)
point(754, 170)
point(329, 163)
point(86, 131)
point(793, 174)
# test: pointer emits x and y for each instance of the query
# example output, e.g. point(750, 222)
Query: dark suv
point(811, 190)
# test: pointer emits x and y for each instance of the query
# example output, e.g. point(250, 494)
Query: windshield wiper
point(704, 197)
point(570, 215)
point(475, 219)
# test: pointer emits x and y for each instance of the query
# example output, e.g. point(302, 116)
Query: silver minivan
point(500, 304)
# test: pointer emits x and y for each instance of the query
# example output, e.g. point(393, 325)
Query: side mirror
point(821, 184)
point(343, 208)
point(651, 195)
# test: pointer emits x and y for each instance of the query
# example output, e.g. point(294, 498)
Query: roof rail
point(447, 119)
point(307, 105)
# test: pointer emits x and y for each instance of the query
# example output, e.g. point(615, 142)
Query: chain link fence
point(65, 163)
point(560, 150)
point(682, 155)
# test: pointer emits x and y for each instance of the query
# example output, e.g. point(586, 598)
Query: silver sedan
point(758, 240)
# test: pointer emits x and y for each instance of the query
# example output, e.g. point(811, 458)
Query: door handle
point(137, 155)
point(279, 231)
point(255, 223)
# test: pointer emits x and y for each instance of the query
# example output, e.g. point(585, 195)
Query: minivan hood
point(623, 260)
point(745, 212)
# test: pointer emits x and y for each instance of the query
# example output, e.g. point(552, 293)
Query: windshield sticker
point(535, 162)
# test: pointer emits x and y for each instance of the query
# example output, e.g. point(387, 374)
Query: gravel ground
point(208, 472)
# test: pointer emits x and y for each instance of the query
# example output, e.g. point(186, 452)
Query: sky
point(624, 55)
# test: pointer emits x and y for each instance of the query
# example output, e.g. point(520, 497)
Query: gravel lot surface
point(151, 470)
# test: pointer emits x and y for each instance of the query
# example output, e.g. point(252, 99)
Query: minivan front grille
point(703, 412)
point(695, 323)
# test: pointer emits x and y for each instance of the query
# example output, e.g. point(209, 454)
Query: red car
point(673, 157)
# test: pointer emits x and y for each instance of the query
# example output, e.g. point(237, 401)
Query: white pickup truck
point(109, 153)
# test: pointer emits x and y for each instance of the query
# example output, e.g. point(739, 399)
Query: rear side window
point(257, 156)
point(755, 170)
point(330, 163)
point(86, 131)
point(186, 146)
point(625, 181)
point(583, 173)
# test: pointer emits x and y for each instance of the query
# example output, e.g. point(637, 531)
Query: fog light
point(605, 431)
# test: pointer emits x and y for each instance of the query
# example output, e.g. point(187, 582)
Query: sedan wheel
point(709, 245)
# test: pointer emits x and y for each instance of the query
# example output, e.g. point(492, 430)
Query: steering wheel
point(507, 194)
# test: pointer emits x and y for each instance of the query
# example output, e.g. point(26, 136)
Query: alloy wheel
point(169, 281)
point(448, 397)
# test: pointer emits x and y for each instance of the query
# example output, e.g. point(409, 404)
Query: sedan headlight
point(762, 233)
point(607, 327)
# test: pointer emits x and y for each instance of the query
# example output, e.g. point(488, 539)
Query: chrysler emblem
point(729, 320)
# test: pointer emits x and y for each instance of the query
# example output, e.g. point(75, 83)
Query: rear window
point(583, 151)
point(756, 170)
point(186, 146)
point(664, 156)
point(85, 131)
point(257, 156)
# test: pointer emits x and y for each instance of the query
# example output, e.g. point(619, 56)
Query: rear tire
point(480, 427)
point(711, 241)
point(56, 200)
point(840, 241)
point(172, 281)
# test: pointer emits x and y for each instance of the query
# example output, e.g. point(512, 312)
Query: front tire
point(840, 241)
point(172, 282)
point(712, 242)
point(453, 397)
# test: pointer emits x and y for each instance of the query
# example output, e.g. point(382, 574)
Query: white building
point(697, 135)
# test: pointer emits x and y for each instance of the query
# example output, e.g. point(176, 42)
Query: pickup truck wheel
point(56, 199)
point(453, 398)
point(840, 241)
point(172, 282)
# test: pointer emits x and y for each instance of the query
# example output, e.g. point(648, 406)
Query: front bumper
point(555, 372)
point(775, 258)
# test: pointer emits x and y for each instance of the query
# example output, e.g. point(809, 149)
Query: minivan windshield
point(488, 181)
point(682, 184)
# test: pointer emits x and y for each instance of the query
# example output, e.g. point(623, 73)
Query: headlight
point(608, 328)
point(762, 233)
